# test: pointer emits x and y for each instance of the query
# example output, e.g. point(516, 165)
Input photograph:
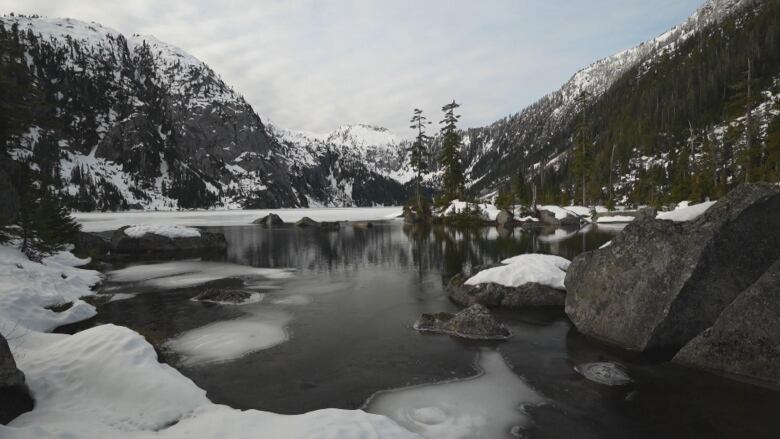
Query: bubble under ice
point(485, 406)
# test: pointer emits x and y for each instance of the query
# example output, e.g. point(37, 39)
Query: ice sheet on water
point(120, 296)
point(486, 406)
point(182, 274)
point(295, 300)
point(231, 339)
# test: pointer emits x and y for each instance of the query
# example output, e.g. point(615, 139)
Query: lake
point(337, 329)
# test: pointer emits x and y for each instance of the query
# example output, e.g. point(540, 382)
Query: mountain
point(679, 72)
point(118, 122)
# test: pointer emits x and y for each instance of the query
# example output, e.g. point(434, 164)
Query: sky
point(314, 65)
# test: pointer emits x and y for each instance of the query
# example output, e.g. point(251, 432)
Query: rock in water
point(473, 322)
point(661, 283)
point(14, 396)
point(609, 374)
point(159, 244)
point(745, 339)
point(306, 222)
point(504, 219)
point(219, 295)
point(270, 220)
point(492, 295)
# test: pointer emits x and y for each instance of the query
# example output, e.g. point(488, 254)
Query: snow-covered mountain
point(133, 122)
point(541, 132)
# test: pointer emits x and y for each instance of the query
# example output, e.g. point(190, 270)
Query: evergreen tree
point(418, 152)
point(453, 179)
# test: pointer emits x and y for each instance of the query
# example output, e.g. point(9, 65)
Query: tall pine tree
point(452, 180)
point(418, 152)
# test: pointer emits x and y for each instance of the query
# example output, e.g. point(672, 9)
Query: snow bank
point(615, 219)
point(27, 288)
point(685, 212)
point(103, 221)
point(486, 406)
point(184, 274)
point(231, 339)
point(530, 268)
point(168, 230)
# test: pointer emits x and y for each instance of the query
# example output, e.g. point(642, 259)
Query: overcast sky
point(313, 65)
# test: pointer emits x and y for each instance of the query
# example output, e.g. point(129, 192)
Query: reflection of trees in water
point(424, 248)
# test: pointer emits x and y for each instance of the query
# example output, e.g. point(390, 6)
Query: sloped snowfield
point(97, 222)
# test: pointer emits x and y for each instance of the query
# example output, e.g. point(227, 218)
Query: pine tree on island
point(452, 179)
point(418, 153)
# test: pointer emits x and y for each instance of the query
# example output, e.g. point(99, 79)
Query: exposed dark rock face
point(91, 244)
point(223, 295)
point(153, 244)
point(270, 220)
point(530, 295)
point(473, 322)
point(14, 396)
point(661, 283)
point(745, 339)
point(306, 222)
point(548, 218)
point(505, 219)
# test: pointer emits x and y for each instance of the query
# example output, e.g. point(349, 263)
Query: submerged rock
point(15, 399)
point(745, 339)
point(270, 220)
point(473, 322)
point(223, 296)
point(154, 243)
point(661, 283)
point(306, 222)
point(609, 374)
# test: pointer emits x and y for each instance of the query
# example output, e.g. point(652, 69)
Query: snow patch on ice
point(485, 406)
point(615, 219)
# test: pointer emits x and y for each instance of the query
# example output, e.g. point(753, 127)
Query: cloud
point(313, 65)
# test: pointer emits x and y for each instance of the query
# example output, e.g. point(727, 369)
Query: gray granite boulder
point(306, 222)
point(154, 244)
point(474, 322)
point(548, 218)
point(505, 219)
point(270, 220)
point(745, 339)
point(91, 244)
point(492, 295)
point(661, 283)
point(14, 396)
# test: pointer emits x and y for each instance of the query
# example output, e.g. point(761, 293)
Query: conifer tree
point(452, 180)
point(419, 155)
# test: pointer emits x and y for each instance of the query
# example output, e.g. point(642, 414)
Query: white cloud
point(313, 65)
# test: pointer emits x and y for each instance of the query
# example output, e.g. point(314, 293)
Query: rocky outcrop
point(14, 397)
point(270, 220)
point(473, 322)
point(505, 219)
point(549, 218)
point(661, 283)
point(745, 339)
point(530, 295)
point(306, 222)
point(154, 244)
point(91, 244)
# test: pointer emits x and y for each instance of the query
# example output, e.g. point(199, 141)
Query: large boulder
point(493, 295)
point(504, 219)
point(14, 396)
point(556, 216)
point(473, 322)
point(270, 220)
point(661, 283)
point(745, 339)
point(163, 241)
point(91, 244)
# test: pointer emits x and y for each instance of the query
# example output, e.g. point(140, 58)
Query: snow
point(615, 219)
point(167, 230)
point(231, 339)
point(528, 268)
point(559, 212)
point(687, 213)
point(489, 211)
point(183, 274)
point(486, 406)
point(27, 288)
point(100, 221)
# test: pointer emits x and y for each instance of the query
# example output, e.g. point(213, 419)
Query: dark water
point(367, 287)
